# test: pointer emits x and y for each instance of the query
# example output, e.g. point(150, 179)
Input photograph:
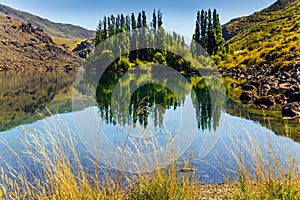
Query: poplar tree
point(133, 21)
point(99, 33)
point(203, 25)
point(144, 19)
point(122, 23)
point(159, 19)
point(210, 35)
point(104, 28)
point(118, 24)
point(128, 23)
point(133, 41)
point(217, 30)
point(154, 20)
point(139, 21)
point(196, 36)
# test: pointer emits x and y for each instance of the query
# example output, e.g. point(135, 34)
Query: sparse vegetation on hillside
point(270, 36)
point(24, 47)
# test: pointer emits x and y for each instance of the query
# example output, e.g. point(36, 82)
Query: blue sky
point(177, 15)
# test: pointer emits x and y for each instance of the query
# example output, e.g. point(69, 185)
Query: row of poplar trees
point(142, 33)
point(208, 32)
point(112, 25)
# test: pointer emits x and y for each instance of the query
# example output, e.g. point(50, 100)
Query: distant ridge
point(52, 28)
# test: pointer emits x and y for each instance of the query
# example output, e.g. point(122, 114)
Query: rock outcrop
point(85, 48)
point(24, 47)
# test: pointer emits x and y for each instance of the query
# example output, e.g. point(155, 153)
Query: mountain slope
point(238, 25)
point(269, 36)
point(24, 47)
point(53, 29)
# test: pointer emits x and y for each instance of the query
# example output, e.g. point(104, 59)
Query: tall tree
point(154, 20)
point(210, 35)
point(182, 41)
point(123, 23)
point(159, 19)
point(139, 22)
point(112, 26)
point(108, 26)
point(203, 25)
point(133, 41)
point(144, 19)
point(196, 36)
point(133, 21)
point(99, 33)
point(118, 24)
point(217, 30)
point(197, 29)
point(104, 28)
point(128, 23)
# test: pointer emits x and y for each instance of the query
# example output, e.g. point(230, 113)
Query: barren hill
point(24, 47)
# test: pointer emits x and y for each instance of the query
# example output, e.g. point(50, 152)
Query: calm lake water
point(132, 116)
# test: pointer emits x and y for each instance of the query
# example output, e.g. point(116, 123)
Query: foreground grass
point(59, 174)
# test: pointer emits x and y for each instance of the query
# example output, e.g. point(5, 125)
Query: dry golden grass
point(67, 42)
point(55, 152)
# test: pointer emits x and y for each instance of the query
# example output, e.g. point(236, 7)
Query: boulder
point(291, 110)
point(280, 99)
point(294, 97)
point(266, 101)
point(288, 92)
point(246, 96)
point(285, 85)
point(248, 87)
point(254, 83)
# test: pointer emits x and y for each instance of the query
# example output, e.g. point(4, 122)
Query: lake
point(140, 116)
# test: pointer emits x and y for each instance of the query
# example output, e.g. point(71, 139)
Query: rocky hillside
point(24, 47)
point(269, 37)
point(53, 29)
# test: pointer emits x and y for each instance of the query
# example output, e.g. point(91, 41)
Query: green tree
point(182, 41)
point(123, 23)
point(159, 19)
point(118, 25)
point(210, 35)
point(133, 41)
point(99, 33)
point(104, 28)
point(203, 25)
point(133, 21)
point(144, 19)
point(139, 21)
point(108, 27)
point(154, 20)
point(112, 27)
point(128, 23)
point(217, 31)
point(196, 36)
